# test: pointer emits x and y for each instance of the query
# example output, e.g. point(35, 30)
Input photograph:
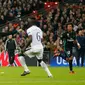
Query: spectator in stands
point(1, 45)
point(81, 51)
point(2, 19)
point(11, 8)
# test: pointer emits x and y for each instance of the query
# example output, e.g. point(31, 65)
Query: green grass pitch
point(38, 76)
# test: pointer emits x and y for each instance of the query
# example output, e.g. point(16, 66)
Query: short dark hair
point(78, 30)
point(69, 23)
point(31, 21)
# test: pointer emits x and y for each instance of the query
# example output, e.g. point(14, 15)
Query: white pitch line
point(43, 81)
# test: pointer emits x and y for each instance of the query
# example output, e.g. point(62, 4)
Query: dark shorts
point(68, 52)
point(65, 54)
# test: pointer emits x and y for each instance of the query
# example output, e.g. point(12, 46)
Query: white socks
point(22, 61)
point(43, 65)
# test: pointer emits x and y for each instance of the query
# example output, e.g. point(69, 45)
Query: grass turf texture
point(38, 76)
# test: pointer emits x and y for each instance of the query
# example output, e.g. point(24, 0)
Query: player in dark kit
point(68, 39)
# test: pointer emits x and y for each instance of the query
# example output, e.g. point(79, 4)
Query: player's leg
point(70, 66)
point(70, 59)
point(27, 53)
point(42, 63)
point(23, 63)
point(44, 66)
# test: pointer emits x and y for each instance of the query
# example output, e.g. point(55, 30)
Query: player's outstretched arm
point(3, 34)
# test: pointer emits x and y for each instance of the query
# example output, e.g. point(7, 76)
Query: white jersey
point(36, 34)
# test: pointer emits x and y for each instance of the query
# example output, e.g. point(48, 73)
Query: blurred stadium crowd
point(52, 22)
point(10, 9)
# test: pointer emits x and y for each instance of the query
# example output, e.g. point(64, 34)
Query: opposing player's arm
point(3, 34)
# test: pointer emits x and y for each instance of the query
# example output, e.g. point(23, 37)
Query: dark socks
point(70, 65)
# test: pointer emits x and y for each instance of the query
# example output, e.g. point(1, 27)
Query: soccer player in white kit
point(35, 36)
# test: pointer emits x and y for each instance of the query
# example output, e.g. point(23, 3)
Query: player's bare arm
point(3, 34)
point(29, 40)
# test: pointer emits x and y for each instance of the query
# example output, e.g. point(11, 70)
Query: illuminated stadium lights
point(35, 12)
point(45, 3)
point(48, 5)
point(56, 3)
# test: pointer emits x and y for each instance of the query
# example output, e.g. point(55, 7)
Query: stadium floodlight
point(56, 3)
point(48, 5)
point(45, 3)
point(34, 11)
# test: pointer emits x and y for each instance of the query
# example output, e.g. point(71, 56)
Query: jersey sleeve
point(29, 32)
point(74, 35)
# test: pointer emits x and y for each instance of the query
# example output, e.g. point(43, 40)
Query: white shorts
point(35, 52)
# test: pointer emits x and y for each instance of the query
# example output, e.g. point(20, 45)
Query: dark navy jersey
point(68, 38)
